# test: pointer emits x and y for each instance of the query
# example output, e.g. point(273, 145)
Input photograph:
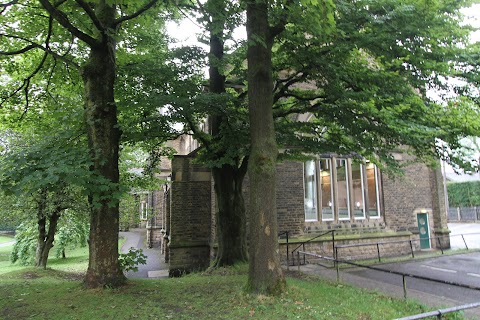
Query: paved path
point(471, 234)
point(461, 268)
point(155, 267)
point(6, 244)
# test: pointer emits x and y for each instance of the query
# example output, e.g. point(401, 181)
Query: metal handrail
point(439, 313)
point(404, 275)
point(438, 238)
point(309, 240)
point(286, 233)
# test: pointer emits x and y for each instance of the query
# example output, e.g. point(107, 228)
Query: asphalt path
point(155, 266)
point(470, 232)
point(462, 269)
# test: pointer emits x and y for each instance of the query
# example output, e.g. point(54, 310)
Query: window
point(144, 210)
point(347, 190)
point(327, 189)
point(373, 191)
point(358, 194)
point(310, 191)
point(342, 190)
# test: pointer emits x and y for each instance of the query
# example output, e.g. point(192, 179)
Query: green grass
point(4, 239)
point(57, 293)
point(51, 294)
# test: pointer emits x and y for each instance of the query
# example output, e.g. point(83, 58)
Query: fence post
point(378, 252)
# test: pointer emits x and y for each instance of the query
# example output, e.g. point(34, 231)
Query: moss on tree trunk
point(103, 139)
point(265, 274)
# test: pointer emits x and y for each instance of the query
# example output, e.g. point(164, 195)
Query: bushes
point(464, 194)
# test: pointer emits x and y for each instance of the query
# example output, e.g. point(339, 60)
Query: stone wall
point(351, 247)
point(419, 190)
point(190, 216)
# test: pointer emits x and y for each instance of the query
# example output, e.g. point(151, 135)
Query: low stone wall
point(353, 247)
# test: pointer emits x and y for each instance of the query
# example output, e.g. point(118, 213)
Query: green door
point(422, 221)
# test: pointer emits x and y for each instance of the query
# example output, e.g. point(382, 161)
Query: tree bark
point(265, 274)
point(45, 238)
point(231, 218)
point(103, 138)
point(228, 179)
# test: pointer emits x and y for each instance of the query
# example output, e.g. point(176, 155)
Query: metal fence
point(467, 214)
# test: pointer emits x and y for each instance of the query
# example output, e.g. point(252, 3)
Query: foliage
point(25, 244)
point(129, 215)
point(72, 232)
point(129, 261)
point(464, 194)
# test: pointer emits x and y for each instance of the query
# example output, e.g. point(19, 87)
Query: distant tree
point(464, 194)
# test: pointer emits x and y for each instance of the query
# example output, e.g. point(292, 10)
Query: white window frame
point(315, 192)
point(144, 210)
point(377, 194)
point(330, 171)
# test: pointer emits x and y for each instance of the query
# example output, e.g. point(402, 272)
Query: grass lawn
point(4, 239)
point(57, 293)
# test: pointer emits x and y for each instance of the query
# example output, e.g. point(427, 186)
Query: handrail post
point(304, 260)
point(288, 260)
point(411, 248)
point(464, 242)
point(440, 244)
point(378, 252)
point(336, 257)
point(338, 271)
point(298, 260)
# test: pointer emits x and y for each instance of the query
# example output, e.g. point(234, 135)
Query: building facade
point(331, 197)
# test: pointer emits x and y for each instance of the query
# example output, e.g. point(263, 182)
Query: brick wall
point(190, 216)
point(290, 198)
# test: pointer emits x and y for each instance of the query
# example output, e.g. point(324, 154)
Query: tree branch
point(34, 45)
point(88, 10)
point(4, 6)
point(135, 14)
point(62, 19)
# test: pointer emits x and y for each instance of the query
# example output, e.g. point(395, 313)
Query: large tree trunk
point(231, 218)
point(228, 179)
point(265, 274)
point(103, 139)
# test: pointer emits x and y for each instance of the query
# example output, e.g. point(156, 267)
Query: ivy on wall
point(464, 194)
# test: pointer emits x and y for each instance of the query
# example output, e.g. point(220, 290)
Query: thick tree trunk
point(265, 274)
point(103, 138)
point(228, 179)
point(231, 218)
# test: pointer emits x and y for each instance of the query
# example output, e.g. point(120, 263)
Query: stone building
point(332, 197)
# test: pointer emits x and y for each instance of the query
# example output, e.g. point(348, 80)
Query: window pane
point(310, 191)
point(342, 187)
point(358, 195)
point(372, 183)
point(326, 188)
